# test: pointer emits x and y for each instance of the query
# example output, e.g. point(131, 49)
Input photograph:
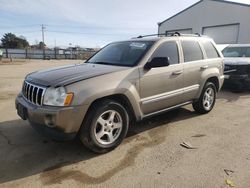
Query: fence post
point(55, 53)
point(6, 50)
point(44, 53)
point(26, 53)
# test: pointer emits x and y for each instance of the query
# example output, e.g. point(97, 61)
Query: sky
point(86, 23)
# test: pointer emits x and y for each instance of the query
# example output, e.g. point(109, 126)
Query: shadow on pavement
point(24, 152)
point(232, 96)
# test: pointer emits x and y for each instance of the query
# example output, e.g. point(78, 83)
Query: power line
point(71, 29)
point(69, 32)
point(69, 26)
point(78, 30)
point(97, 27)
point(18, 26)
point(28, 31)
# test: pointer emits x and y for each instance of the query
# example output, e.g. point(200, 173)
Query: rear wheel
point(207, 99)
point(105, 126)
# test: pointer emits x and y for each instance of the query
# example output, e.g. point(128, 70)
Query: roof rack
point(167, 34)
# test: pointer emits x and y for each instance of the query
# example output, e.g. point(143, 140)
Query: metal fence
point(47, 53)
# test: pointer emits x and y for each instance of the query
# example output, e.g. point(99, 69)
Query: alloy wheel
point(208, 98)
point(108, 127)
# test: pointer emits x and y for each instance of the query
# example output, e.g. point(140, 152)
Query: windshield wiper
point(107, 63)
point(101, 63)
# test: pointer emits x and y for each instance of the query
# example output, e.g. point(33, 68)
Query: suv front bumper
point(237, 77)
point(236, 80)
point(59, 123)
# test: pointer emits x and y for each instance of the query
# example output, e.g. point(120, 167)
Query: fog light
point(49, 121)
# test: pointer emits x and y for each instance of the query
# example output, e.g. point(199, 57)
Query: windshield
point(236, 52)
point(121, 53)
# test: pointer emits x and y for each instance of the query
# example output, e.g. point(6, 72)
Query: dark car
point(237, 66)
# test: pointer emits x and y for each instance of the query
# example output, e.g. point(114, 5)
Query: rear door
point(162, 87)
point(193, 66)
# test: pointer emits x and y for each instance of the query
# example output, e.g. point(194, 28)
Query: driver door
point(161, 87)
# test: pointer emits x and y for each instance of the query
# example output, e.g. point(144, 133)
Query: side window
point(168, 49)
point(247, 52)
point(191, 50)
point(210, 49)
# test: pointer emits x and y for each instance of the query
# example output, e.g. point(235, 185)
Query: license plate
point(22, 111)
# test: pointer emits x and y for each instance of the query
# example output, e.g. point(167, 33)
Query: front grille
point(33, 93)
point(227, 67)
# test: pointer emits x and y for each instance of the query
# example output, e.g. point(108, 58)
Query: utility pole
point(70, 50)
point(55, 49)
point(43, 28)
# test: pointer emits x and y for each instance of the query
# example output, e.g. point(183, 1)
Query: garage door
point(183, 31)
point(225, 34)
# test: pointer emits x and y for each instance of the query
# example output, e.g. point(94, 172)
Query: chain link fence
point(48, 53)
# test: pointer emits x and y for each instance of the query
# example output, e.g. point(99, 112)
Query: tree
point(10, 40)
point(41, 45)
point(38, 45)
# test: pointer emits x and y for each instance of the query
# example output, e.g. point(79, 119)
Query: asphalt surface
point(150, 156)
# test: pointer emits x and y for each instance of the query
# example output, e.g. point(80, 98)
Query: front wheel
point(207, 99)
point(105, 126)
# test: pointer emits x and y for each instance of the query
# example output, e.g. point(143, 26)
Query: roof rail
point(167, 34)
point(182, 34)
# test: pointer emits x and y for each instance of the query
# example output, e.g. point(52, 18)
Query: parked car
point(125, 81)
point(237, 66)
point(221, 47)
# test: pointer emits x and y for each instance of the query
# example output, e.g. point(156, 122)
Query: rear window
point(210, 49)
point(191, 51)
point(236, 52)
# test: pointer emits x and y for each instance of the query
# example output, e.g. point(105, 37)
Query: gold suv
point(125, 81)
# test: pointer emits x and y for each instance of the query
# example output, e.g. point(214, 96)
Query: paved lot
point(151, 155)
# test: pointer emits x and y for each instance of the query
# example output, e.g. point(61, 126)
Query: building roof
point(221, 1)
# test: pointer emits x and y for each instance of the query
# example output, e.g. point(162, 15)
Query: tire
point(207, 99)
point(105, 126)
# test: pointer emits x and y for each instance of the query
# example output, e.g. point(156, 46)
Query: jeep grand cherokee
point(125, 81)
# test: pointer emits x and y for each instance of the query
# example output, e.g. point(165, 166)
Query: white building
point(226, 22)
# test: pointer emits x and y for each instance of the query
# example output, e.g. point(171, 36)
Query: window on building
point(191, 50)
point(170, 50)
point(210, 49)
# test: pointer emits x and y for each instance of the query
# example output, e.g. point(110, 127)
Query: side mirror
point(157, 62)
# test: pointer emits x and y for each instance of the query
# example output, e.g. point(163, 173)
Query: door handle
point(177, 72)
point(204, 67)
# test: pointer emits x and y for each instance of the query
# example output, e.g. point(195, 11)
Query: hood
point(66, 75)
point(237, 61)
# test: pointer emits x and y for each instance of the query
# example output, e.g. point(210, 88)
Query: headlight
point(57, 97)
